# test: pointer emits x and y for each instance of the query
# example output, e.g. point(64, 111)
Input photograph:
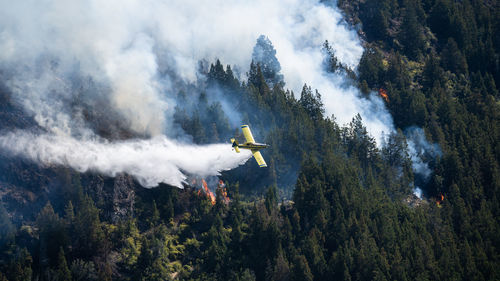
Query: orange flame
point(205, 191)
point(383, 94)
point(209, 193)
point(223, 190)
point(440, 199)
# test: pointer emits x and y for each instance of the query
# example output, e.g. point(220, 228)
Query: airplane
point(250, 144)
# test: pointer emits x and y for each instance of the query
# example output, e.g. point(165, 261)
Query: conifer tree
point(63, 273)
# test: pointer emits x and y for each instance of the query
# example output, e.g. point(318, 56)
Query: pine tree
point(271, 199)
point(301, 270)
point(374, 16)
point(6, 228)
point(217, 241)
point(63, 273)
point(312, 103)
point(453, 59)
point(371, 68)
point(90, 239)
point(83, 270)
point(264, 55)
point(155, 215)
point(52, 236)
point(411, 34)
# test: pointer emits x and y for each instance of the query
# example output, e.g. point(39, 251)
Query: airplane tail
point(235, 145)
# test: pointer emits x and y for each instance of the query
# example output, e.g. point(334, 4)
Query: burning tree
point(223, 191)
point(206, 191)
point(383, 94)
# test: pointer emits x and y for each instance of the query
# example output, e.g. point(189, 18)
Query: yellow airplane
point(250, 144)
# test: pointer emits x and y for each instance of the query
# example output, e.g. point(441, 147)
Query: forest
point(332, 204)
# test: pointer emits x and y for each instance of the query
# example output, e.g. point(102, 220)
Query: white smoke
point(117, 44)
point(421, 151)
point(153, 161)
point(421, 154)
point(417, 191)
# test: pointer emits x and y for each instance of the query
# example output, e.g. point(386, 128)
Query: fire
point(439, 200)
point(207, 191)
point(383, 94)
point(223, 192)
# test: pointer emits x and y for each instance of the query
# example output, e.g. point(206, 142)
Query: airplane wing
point(248, 134)
point(259, 158)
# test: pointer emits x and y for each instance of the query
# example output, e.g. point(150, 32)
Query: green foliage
point(130, 241)
point(83, 270)
point(312, 103)
point(51, 236)
point(352, 215)
point(301, 270)
point(7, 230)
point(90, 237)
point(411, 34)
point(271, 200)
point(374, 15)
point(158, 254)
point(63, 273)
point(371, 69)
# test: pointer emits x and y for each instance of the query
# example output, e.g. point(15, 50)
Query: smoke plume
point(122, 43)
point(153, 161)
point(122, 59)
point(422, 153)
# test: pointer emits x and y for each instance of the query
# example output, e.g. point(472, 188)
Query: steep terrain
point(335, 203)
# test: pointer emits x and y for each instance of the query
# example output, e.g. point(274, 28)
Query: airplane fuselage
point(254, 145)
point(251, 145)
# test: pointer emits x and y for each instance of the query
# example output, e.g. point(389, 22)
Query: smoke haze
point(127, 54)
point(421, 151)
point(421, 154)
point(118, 44)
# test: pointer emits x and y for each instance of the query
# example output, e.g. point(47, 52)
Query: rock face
point(25, 187)
point(12, 115)
point(123, 197)
point(115, 196)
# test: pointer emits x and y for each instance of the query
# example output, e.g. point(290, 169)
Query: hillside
point(406, 189)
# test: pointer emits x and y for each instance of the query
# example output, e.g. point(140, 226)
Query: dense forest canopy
point(334, 203)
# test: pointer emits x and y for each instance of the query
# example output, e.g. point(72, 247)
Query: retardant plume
point(152, 161)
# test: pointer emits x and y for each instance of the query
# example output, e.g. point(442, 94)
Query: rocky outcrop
point(115, 196)
point(123, 197)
